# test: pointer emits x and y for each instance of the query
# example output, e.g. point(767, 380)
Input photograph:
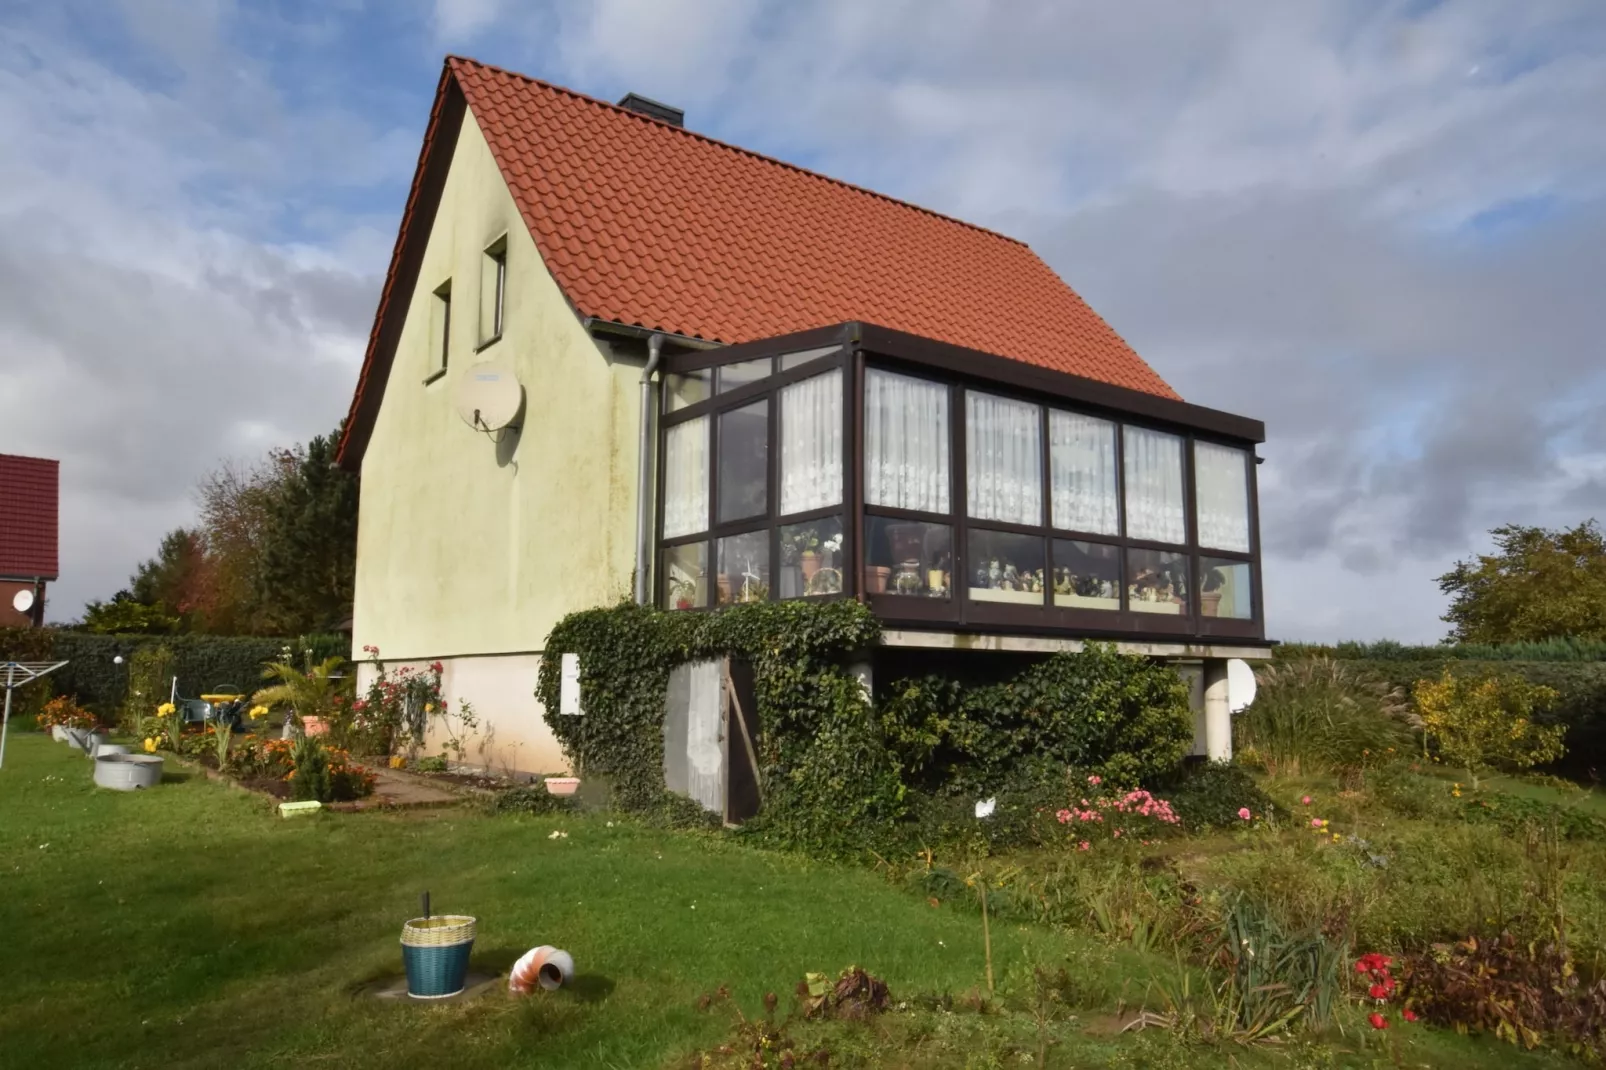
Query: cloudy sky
point(1381, 228)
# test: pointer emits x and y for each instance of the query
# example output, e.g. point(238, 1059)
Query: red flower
point(1409, 1014)
point(1379, 992)
point(1377, 1020)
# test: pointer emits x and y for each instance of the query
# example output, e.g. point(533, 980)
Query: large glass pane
point(686, 478)
point(732, 376)
point(811, 558)
point(1005, 567)
point(907, 557)
point(744, 461)
point(1157, 582)
point(1222, 476)
point(688, 389)
point(811, 443)
point(685, 576)
point(1003, 459)
point(1083, 486)
point(1087, 575)
point(744, 568)
point(1224, 589)
point(905, 442)
point(1154, 501)
point(802, 357)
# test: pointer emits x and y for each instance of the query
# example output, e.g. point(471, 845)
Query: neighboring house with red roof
point(30, 493)
point(614, 357)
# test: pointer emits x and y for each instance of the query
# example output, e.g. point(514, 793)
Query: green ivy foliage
point(1124, 718)
point(823, 766)
point(837, 776)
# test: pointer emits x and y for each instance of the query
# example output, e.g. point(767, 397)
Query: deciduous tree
point(1539, 584)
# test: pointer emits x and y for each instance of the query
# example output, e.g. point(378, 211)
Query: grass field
point(191, 927)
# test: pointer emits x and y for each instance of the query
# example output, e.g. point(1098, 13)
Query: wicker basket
point(435, 952)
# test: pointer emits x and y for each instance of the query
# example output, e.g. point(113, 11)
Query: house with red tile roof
point(30, 491)
point(614, 357)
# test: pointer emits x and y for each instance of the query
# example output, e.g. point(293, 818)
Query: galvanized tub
point(109, 748)
point(128, 772)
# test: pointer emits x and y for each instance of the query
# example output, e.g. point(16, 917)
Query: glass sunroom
point(953, 490)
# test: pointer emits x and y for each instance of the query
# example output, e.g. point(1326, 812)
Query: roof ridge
point(454, 58)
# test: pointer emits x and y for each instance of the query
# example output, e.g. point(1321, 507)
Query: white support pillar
point(862, 670)
point(1217, 711)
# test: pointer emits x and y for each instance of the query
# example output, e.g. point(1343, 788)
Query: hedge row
point(201, 661)
point(1581, 706)
point(1550, 650)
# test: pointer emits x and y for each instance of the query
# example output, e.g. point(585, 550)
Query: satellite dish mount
point(489, 397)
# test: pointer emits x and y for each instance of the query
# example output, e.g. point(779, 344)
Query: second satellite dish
point(1240, 684)
point(22, 601)
point(489, 396)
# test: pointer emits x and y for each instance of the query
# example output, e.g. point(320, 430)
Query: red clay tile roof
point(29, 493)
point(648, 224)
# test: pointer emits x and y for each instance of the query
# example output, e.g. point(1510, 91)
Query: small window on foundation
point(493, 290)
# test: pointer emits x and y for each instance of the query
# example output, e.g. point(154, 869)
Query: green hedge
point(1388, 650)
point(837, 776)
point(1581, 706)
point(200, 661)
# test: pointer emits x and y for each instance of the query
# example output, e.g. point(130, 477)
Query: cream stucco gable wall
point(471, 548)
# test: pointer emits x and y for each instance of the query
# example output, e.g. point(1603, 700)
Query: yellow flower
point(150, 745)
point(429, 707)
point(164, 709)
point(258, 712)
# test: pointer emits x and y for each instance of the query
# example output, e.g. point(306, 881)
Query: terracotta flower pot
point(875, 578)
point(811, 565)
point(313, 726)
point(1210, 603)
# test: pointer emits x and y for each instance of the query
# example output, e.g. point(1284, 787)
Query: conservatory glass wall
point(942, 497)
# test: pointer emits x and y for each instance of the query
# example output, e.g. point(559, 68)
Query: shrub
point(1125, 719)
point(1488, 720)
point(534, 799)
point(64, 711)
point(1209, 795)
point(1319, 714)
point(1521, 992)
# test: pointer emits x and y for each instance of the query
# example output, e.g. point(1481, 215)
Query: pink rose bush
point(1130, 814)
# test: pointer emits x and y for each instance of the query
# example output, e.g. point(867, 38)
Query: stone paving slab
point(396, 789)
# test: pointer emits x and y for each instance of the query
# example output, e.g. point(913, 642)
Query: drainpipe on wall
point(655, 350)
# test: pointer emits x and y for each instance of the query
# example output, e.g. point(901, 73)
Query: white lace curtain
point(1083, 487)
point(1222, 474)
point(811, 443)
point(1003, 459)
point(1155, 506)
point(905, 442)
point(686, 478)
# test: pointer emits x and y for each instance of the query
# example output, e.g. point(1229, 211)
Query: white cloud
point(462, 20)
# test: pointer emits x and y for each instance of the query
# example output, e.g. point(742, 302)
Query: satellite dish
point(489, 396)
point(1240, 684)
point(22, 601)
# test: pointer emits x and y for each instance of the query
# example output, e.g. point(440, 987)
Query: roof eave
point(418, 219)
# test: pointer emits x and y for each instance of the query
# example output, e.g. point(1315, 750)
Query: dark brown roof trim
point(401, 279)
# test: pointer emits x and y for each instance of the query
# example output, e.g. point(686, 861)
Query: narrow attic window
point(440, 330)
point(493, 290)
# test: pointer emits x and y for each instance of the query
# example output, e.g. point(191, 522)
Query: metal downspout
point(644, 495)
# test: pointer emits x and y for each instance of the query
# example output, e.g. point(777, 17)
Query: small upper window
point(440, 327)
point(493, 290)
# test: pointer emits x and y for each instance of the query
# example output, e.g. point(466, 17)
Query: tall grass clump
point(1320, 714)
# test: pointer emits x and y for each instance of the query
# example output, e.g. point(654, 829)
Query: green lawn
point(191, 926)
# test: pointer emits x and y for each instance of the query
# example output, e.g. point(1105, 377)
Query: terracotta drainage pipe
point(545, 966)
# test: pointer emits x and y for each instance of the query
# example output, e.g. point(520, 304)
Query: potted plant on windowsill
point(1210, 592)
